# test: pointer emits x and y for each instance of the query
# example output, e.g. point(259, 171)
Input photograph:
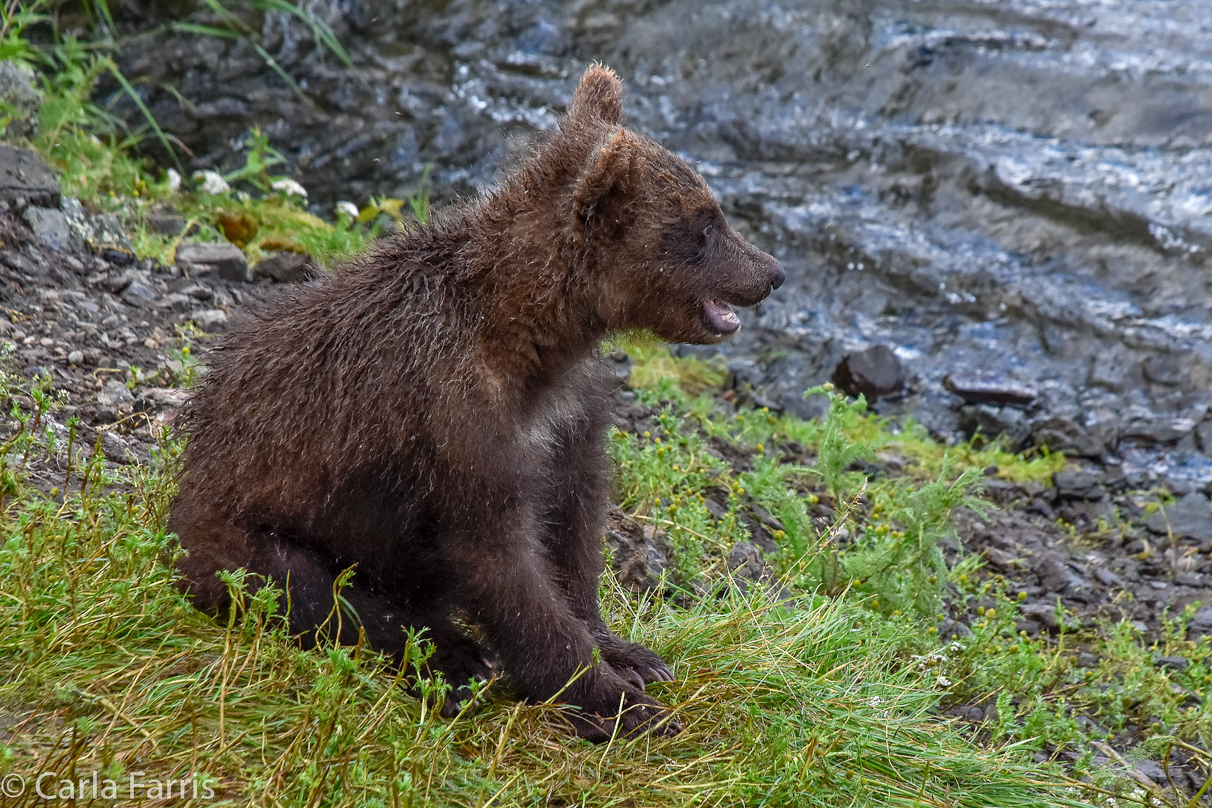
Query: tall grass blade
point(147, 115)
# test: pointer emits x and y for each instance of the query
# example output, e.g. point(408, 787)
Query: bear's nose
point(780, 275)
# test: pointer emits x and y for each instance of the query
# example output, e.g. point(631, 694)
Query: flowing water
point(1016, 187)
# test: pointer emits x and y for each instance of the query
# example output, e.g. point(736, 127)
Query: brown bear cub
point(434, 415)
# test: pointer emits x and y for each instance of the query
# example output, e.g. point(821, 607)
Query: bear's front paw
point(634, 662)
point(638, 713)
point(613, 706)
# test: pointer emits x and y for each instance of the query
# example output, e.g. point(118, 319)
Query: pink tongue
point(721, 317)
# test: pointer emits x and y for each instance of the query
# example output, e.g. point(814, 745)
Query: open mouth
point(720, 317)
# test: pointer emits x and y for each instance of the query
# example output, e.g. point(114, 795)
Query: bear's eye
point(689, 241)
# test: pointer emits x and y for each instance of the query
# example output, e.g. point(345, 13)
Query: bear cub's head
point(671, 262)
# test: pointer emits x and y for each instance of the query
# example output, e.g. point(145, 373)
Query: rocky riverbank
point(1007, 193)
point(120, 339)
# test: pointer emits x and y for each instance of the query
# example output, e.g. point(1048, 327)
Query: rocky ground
point(119, 337)
point(113, 333)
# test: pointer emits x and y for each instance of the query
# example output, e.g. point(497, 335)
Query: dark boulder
point(874, 373)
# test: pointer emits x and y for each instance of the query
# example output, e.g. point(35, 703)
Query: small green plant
point(901, 560)
point(81, 138)
point(18, 16)
point(259, 158)
point(182, 367)
point(838, 450)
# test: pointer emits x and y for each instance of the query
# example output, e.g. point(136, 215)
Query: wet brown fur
point(434, 414)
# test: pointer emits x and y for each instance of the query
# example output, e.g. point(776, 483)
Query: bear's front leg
point(572, 529)
point(508, 584)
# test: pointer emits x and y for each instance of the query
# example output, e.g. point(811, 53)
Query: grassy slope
point(880, 554)
point(109, 669)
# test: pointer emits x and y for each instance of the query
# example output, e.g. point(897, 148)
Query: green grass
point(1050, 702)
point(109, 669)
point(830, 699)
point(892, 549)
point(879, 549)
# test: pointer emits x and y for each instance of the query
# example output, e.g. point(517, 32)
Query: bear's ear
point(598, 96)
point(607, 179)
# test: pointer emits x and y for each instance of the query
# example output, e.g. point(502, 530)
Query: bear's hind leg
point(460, 659)
point(308, 601)
point(384, 620)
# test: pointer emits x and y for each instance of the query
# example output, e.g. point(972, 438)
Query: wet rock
point(620, 366)
point(993, 421)
point(1006, 492)
point(1202, 619)
point(25, 178)
point(1079, 484)
point(1191, 516)
point(1060, 434)
point(1103, 425)
point(1203, 436)
point(117, 283)
point(139, 292)
point(1111, 370)
point(164, 224)
point(226, 261)
point(1055, 574)
point(1164, 369)
point(1193, 579)
point(18, 94)
point(989, 388)
point(284, 267)
point(117, 449)
point(212, 321)
point(1157, 430)
point(1001, 559)
point(1174, 663)
point(50, 226)
point(639, 557)
point(808, 409)
point(1028, 626)
point(166, 396)
point(874, 373)
point(102, 233)
point(199, 291)
point(1152, 771)
point(20, 263)
point(176, 302)
point(742, 374)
